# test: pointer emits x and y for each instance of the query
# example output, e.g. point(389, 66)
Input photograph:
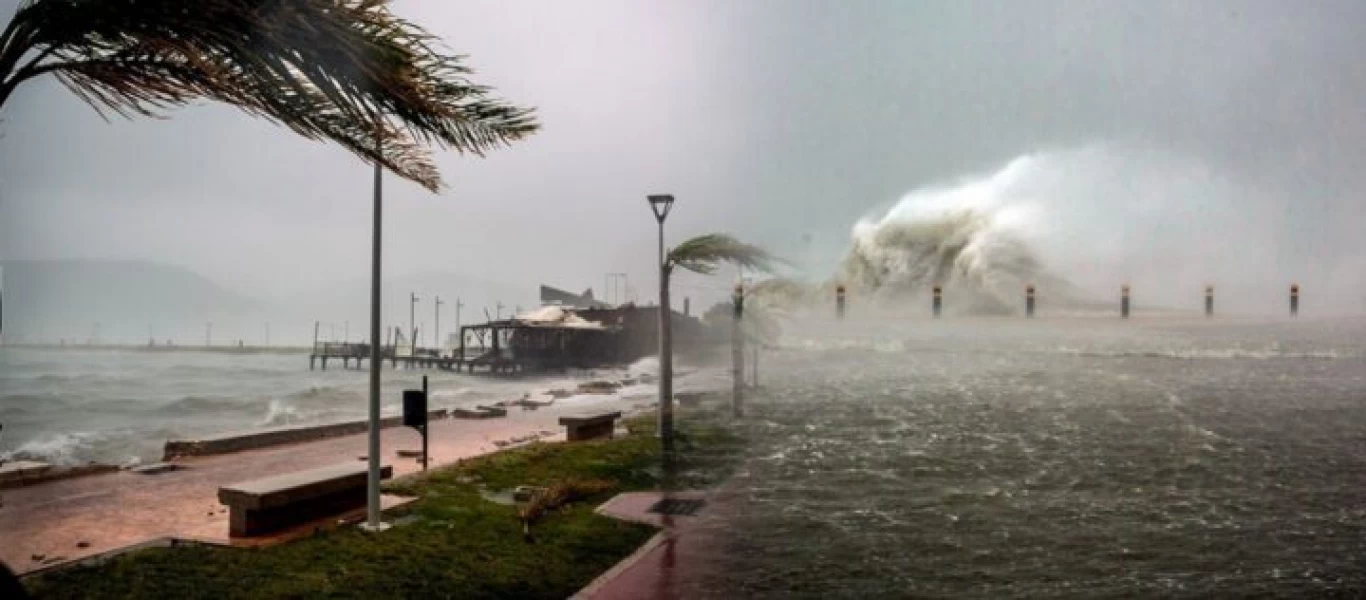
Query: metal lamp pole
point(412, 324)
point(436, 335)
point(661, 204)
point(372, 522)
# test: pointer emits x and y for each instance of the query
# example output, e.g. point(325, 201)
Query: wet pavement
point(660, 569)
point(65, 520)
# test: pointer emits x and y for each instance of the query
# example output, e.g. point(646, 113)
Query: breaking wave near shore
point(1077, 224)
point(970, 239)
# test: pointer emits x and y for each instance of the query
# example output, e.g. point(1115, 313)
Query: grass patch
point(458, 544)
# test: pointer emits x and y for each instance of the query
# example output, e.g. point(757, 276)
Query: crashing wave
point(981, 265)
point(970, 239)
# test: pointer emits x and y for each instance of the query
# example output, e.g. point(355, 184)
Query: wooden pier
point(353, 356)
point(558, 340)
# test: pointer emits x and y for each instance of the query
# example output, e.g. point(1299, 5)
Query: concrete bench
point(479, 412)
point(273, 503)
point(588, 426)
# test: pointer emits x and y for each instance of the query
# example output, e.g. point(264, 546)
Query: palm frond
point(338, 70)
point(704, 253)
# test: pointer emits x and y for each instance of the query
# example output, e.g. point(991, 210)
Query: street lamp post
point(412, 322)
point(372, 522)
point(458, 306)
point(614, 293)
point(436, 334)
point(660, 204)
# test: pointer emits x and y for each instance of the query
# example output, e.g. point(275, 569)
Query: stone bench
point(479, 412)
point(588, 426)
point(273, 503)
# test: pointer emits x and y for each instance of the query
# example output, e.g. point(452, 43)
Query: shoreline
point(61, 521)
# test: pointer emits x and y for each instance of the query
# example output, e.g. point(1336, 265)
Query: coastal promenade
point(61, 521)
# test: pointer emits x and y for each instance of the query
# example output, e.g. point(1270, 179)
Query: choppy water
point(76, 406)
point(1097, 458)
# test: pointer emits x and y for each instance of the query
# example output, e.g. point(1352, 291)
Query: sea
point(990, 457)
point(1097, 457)
point(120, 406)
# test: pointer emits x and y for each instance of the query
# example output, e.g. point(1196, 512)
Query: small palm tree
point(347, 71)
point(703, 255)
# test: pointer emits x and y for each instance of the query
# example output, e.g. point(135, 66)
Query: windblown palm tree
point(348, 71)
point(703, 255)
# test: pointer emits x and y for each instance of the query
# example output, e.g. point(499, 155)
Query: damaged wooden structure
point(570, 331)
point(558, 338)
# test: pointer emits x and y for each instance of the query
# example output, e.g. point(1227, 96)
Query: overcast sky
point(768, 119)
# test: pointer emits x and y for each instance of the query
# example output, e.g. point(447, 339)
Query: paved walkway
point(661, 568)
point(75, 518)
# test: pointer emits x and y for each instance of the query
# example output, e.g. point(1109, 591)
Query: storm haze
point(1164, 144)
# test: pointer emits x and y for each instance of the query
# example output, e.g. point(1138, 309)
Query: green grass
point(454, 542)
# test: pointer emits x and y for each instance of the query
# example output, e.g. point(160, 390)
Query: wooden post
point(1124, 301)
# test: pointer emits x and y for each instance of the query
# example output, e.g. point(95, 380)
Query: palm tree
point(703, 255)
point(346, 71)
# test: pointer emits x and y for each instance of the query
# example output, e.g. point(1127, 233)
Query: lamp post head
point(660, 204)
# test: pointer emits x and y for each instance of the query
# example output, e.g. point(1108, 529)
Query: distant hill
point(116, 302)
point(125, 302)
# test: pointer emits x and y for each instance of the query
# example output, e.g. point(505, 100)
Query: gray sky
point(768, 119)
